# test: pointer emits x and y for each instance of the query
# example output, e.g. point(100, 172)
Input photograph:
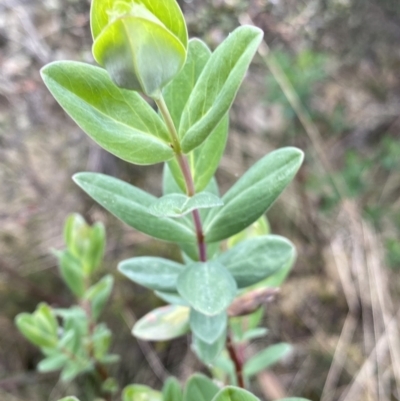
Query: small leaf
point(257, 258)
point(255, 333)
point(204, 161)
point(152, 272)
point(73, 369)
point(199, 388)
point(251, 196)
point(208, 328)
point(98, 295)
point(208, 287)
point(52, 363)
point(172, 298)
point(266, 358)
point(71, 270)
point(217, 85)
point(163, 324)
point(131, 205)
point(138, 392)
point(69, 399)
point(178, 205)
point(120, 121)
point(293, 399)
point(234, 394)
point(206, 352)
point(172, 390)
point(28, 327)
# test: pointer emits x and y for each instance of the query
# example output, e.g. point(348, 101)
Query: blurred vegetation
point(342, 59)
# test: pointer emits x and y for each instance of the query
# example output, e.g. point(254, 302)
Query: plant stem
point(190, 190)
point(187, 175)
point(236, 361)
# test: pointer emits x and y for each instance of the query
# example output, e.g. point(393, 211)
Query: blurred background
point(328, 82)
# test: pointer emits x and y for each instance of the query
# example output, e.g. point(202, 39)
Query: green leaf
point(208, 328)
point(131, 205)
point(98, 295)
point(258, 228)
point(293, 399)
point(152, 272)
point(178, 205)
point(120, 121)
point(138, 392)
point(167, 11)
point(73, 369)
point(204, 161)
point(172, 390)
point(28, 326)
point(253, 194)
point(266, 358)
point(71, 270)
point(206, 352)
point(217, 85)
point(84, 242)
point(148, 62)
point(234, 394)
point(208, 287)
point(255, 333)
point(258, 258)
point(172, 298)
point(52, 363)
point(163, 324)
point(199, 388)
point(69, 399)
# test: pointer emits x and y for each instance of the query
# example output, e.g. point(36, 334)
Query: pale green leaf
point(147, 62)
point(98, 295)
point(167, 11)
point(131, 205)
point(152, 272)
point(199, 388)
point(217, 86)
point(172, 298)
point(71, 270)
point(52, 363)
point(266, 358)
point(234, 394)
point(163, 324)
point(69, 399)
point(206, 352)
point(208, 328)
point(205, 159)
point(293, 399)
point(138, 392)
point(178, 205)
point(172, 390)
point(257, 258)
point(120, 121)
point(251, 196)
point(208, 287)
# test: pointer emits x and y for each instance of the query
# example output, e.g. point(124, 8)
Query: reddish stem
point(233, 354)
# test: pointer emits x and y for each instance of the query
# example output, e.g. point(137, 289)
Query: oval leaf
point(208, 287)
point(131, 205)
point(151, 272)
point(138, 392)
point(172, 390)
point(200, 388)
point(208, 328)
point(253, 194)
point(234, 394)
point(178, 205)
point(255, 259)
point(206, 352)
point(217, 86)
point(203, 160)
point(120, 121)
point(266, 358)
point(163, 324)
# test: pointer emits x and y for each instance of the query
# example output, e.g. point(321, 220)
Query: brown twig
point(238, 363)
